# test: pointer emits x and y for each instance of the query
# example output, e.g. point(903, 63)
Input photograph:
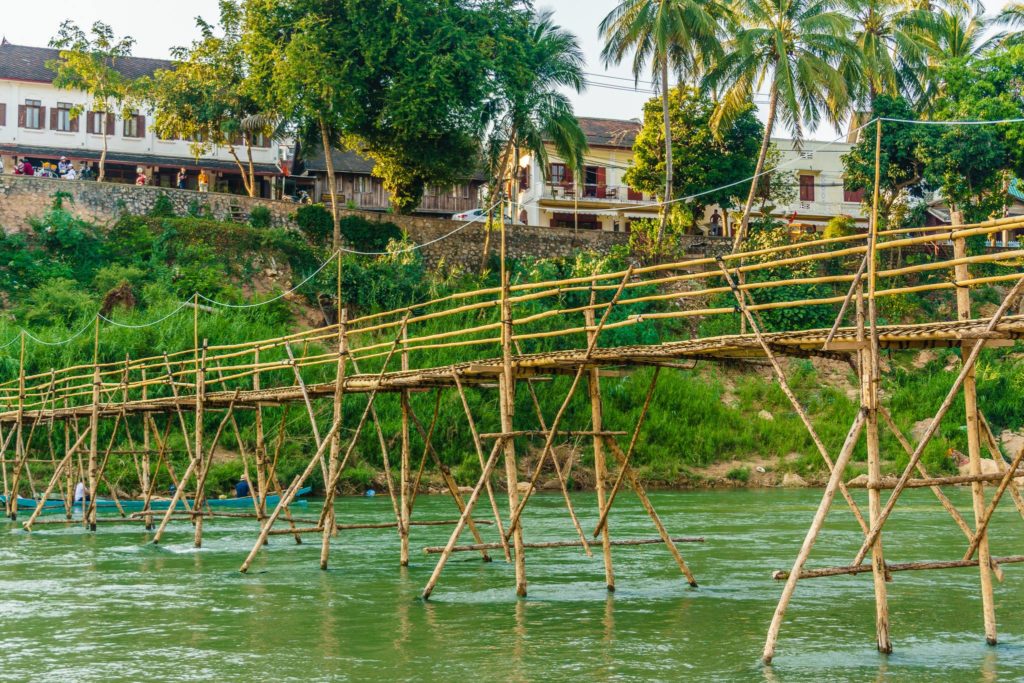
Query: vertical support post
point(600, 465)
point(329, 522)
point(197, 453)
point(89, 518)
point(19, 446)
point(870, 374)
point(404, 493)
point(146, 446)
point(963, 307)
point(506, 403)
point(261, 444)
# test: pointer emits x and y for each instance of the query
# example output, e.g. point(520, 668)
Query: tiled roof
point(610, 132)
point(23, 63)
point(348, 161)
point(1016, 189)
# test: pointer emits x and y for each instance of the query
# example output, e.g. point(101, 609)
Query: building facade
point(358, 188)
point(599, 198)
point(36, 124)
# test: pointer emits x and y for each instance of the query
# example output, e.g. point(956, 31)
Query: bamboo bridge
point(486, 341)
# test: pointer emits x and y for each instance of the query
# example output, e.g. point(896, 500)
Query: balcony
point(445, 203)
point(616, 194)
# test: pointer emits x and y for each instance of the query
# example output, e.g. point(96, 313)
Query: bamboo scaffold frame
point(165, 415)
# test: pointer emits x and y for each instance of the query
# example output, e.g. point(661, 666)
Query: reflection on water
point(78, 606)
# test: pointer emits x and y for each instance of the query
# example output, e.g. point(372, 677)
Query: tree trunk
point(252, 168)
point(773, 103)
point(332, 183)
point(668, 151)
point(495, 191)
point(103, 154)
point(241, 169)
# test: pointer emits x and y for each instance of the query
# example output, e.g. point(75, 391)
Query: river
point(76, 606)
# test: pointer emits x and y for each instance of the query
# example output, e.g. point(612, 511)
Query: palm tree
point(1012, 16)
point(794, 46)
point(891, 52)
point(959, 31)
point(663, 34)
point(531, 110)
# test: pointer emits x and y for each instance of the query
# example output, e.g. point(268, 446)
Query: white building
point(601, 200)
point(36, 124)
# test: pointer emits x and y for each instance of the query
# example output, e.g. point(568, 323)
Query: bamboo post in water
point(197, 453)
point(19, 446)
point(335, 457)
point(871, 378)
point(404, 494)
point(597, 422)
point(147, 446)
point(970, 391)
point(260, 455)
point(506, 405)
point(89, 518)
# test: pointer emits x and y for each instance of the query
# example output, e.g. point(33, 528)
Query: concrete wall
point(24, 198)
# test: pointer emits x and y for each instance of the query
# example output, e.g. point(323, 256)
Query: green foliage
point(839, 226)
point(366, 235)
point(260, 217)
point(315, 222)
point(702, 158)
point(162, 207)
point(738, 474)
point(643, 239)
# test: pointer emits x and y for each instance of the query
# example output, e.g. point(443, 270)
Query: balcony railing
point(594, 191)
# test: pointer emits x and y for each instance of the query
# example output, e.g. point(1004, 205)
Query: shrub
point(162, 207)
point(260, 217)
point(315, 222)
point(739, 474)
point(840, 226)
point(367, 235)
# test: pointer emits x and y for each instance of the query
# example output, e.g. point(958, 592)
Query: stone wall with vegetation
point(102, 203)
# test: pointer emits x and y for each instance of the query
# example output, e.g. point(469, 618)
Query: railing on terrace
point(594, 191)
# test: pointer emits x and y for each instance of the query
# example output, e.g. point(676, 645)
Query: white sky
point(166, 25)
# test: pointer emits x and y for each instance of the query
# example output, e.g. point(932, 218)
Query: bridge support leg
point(600, 464)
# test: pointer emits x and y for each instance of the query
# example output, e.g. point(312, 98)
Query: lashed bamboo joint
point(518, 335)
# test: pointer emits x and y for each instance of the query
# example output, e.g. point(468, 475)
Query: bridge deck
point(723, 348)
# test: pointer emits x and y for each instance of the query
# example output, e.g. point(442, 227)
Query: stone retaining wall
point(102, 203)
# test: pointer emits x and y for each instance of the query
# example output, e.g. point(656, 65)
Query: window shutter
point(42, 117)
point(110, 124)
point(21, 116)
point(74, 124)
point(141, 128)
point(90, 117)
point(524, 178)
point(635, 195)
point(53, 119)
point(3, 114)
point(568, 175)
point(602, 182)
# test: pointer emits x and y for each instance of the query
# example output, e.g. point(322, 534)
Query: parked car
point(476, 215)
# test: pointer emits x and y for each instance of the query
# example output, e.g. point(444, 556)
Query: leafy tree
point(664, 34)
point(901, 164)
point(89, 63)
point(793, 45)
point(774, 188)
point(970, 164)
point(703, 158)
point(207, 97)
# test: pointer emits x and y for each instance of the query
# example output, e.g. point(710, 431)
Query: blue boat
point(158, 505)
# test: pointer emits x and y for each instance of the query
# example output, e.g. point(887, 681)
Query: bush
point(260, 217)
point(367, 235)
point(315, 222)
point(840, 226)
point(739, 474)
point(162, 207)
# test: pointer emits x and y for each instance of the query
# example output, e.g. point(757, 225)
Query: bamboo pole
point(337, 416)
point(198, 434)
point(434, 550)
point(404, 495)
point(89, 518)
point(997, 455)
point(58, 470)
point(893, 567)
point(478, 446)
point(812, 535)
point(12, 493)
point(1005, 481)
point(600, 465)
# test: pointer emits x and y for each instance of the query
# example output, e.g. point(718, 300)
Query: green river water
point(76, 606)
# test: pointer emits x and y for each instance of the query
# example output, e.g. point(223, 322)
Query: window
point(524, 177)
point(595, 181)
point(61, 119)
point(560, 175)
point(94, 123)
point(361, 183)
point(568, 220)
point(31, 115)
point(853, 196)
point(135, 126)
point(806, 187)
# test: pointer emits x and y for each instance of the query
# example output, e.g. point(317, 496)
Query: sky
point(611, 93)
